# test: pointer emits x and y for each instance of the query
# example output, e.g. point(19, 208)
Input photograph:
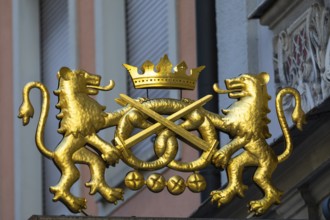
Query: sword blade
point(167, 122)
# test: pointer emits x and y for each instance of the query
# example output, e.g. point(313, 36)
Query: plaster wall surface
point(244, 46)
point(26, 68)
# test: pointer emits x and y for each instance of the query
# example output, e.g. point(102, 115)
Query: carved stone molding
point(302, 57)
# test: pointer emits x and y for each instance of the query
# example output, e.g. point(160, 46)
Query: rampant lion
point(246, 122)
point(81, 118)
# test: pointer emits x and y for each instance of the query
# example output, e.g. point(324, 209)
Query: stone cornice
point(270, 12)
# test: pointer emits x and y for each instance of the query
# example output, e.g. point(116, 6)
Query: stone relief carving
point(302, 57)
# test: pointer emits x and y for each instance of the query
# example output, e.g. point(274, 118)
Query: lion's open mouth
point(103, 88)
point(233, 84)
point(231, 88)
point(93, 84)
point(92, 80)
point(235, 89)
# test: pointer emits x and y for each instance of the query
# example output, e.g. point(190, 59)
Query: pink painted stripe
point(6, 113)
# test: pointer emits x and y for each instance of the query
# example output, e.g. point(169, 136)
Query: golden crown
point(163, 77)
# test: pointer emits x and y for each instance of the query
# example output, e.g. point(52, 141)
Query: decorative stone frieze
point(302, 57)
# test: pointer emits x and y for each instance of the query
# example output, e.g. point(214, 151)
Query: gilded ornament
point(247, 123)
point(176, 185)
point(156, 182)
point(196, 183)
point(134, 180)
point(82, 117)
point(166, 145)
point(163, 77)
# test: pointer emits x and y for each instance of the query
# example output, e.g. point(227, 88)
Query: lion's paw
point(220, 197)
point(220, 159)
point(258, 207)
point(75, 204)
point(111, 157)
point(112, 195)
point(78, 204)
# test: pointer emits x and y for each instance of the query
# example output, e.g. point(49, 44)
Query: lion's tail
point(298, 117)
point(26, 112)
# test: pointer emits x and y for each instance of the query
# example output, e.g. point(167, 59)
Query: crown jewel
point(163, 77)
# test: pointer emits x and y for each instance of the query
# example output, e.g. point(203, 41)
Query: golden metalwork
point(196, 183)
point(134, 180)
point(164, 77)
point(246, 122)
point(156, 182)
point(81, 117)
point(176, 185)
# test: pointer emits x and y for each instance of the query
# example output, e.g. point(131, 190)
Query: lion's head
point(79, 81)
point(74, 89)
point(247, 85)
point(248, 116)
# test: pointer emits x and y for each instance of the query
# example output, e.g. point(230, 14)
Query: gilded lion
point(81, 118)
point(246, 122)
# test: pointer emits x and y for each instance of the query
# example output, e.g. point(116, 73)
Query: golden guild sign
point(245, 121)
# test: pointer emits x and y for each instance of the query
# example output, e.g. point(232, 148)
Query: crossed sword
point(167, 122)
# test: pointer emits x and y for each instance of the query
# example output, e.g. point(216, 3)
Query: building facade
point(287, 39)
